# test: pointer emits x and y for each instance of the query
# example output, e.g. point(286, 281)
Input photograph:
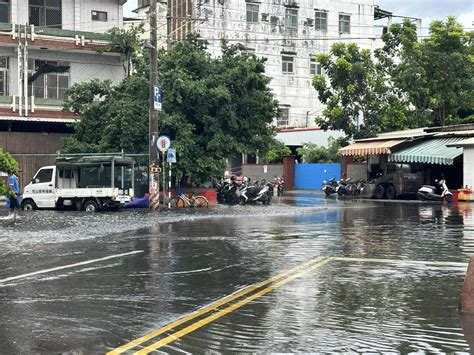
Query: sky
point(427, 10)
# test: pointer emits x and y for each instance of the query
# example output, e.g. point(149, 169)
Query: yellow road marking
point(209, 308)
point(294, 272)
point(223, 312)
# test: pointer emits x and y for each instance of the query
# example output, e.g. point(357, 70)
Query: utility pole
point(153, 114)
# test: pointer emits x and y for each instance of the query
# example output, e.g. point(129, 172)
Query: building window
point(142, 3)
point(291, 18)
point(344, 24)
point(51, 85)
point(4, 10)
point(46, 13)
point(284, 118)
point(321, 21)
point(314, 67)
point(99, 16)
point(252, 13)
point(287, 64)
point(3, 76)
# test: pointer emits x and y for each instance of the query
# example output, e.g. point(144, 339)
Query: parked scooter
point(440, 192)
point(278, 183)
point(343, 187)
point(330, 186)
point(259, 193)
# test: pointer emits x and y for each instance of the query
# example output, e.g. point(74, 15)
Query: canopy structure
point(371, 147)
point(434, 151)
point(94, 161)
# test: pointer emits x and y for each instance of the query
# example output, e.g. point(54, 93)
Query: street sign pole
point(169, 186)
point(164, 178)
point(153, 114)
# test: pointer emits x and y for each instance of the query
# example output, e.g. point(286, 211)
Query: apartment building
point(46, 46)
point(290, 34)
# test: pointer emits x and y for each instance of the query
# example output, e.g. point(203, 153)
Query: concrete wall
point(257, 172)
point(311, 176)
point(468, 168)
point(84, 66)
point(357, 171)
point(76, 14)
point(228, 20)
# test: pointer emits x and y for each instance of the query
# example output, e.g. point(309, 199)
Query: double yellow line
point(262, 288)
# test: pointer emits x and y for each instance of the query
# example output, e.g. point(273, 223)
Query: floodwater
point(372, 299)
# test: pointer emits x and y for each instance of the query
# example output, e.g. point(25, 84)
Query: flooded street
point(306, 274)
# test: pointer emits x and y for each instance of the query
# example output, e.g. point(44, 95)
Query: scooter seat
point(431, 187)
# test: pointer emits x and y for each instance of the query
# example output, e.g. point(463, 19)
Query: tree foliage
point(276, 151)
point(408, 83)
point(128, 43)
point(213, 109)
point(7, 165)
point(313, 153)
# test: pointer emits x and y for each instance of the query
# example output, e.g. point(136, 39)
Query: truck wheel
point(379, 192)
point(390, 192)
point(91, 206)
point(28, 206)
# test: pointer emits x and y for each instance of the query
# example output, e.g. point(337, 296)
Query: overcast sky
point(427, 10)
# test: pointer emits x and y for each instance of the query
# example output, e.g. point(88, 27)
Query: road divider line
point(401, 261)
point(211, 307)
point(175, 336)
point(59, 268)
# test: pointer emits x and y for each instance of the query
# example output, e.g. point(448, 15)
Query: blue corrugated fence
point(311, 176)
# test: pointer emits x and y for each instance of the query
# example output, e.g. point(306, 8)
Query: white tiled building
point(58, 40)
point(289, 33)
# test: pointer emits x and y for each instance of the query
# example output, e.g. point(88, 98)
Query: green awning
point(433, 151)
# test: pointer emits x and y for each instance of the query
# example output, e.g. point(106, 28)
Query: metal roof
point(465, 133)
point(371, 147)
point(464, 143)
point(433, 151)
point(407, 133)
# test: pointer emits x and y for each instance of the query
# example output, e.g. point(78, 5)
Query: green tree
point(276, 151)
point(7, 165)
point(112, 117)
point(213, 109)
point(357, 94)
point(128, 43)
point(313, 153)
point(408, 83)
point(442, 66)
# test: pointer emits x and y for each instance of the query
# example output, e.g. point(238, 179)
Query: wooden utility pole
point(153, 114)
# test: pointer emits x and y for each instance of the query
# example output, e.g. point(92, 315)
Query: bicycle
point(182, 201)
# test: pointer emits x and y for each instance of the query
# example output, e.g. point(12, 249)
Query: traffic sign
point(163, 143)
point(171, 158)
point(157, 98)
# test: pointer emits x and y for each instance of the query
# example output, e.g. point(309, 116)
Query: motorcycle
point(344, 187)
point(440, 192)
point(330, 187)
point(279, 184)
point(258, 193)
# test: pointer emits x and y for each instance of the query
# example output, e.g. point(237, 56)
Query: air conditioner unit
point(309, 22)
point(265, 17)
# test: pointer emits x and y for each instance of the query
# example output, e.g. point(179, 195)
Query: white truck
point(88, 183)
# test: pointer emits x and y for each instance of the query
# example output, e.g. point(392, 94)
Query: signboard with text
point(157, 98)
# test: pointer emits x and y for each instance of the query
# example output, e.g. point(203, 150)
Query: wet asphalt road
point(186, 260)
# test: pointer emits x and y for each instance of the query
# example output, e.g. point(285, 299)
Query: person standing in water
point(14, 190)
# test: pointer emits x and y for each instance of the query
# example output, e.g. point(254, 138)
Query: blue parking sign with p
point(157, 98)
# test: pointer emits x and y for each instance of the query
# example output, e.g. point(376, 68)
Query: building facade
point(46, 46)
point(289, 33)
